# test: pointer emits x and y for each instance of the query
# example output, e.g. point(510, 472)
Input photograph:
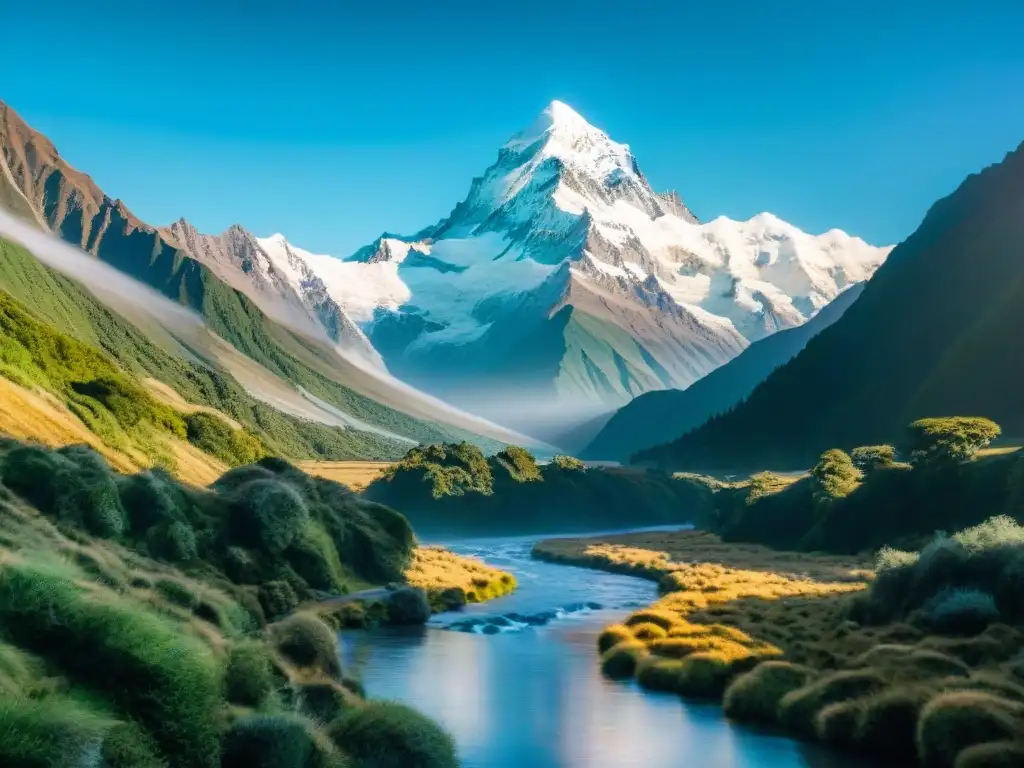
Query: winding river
point(516, 680)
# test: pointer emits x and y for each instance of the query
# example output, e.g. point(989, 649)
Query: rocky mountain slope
point(933, 333)
point(277, 315)
point(658, 417)
point(564, 285)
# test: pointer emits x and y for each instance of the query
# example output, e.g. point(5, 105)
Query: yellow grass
point(437, 569)
point(355, 474)
point(169, 396)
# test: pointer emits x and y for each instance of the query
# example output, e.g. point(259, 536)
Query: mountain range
point(930, 335)
point(559, 289)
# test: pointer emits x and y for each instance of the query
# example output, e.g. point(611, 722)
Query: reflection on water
point(536, 697)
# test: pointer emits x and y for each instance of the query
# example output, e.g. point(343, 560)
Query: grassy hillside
point(656, 417)
point(931, 333)
point(455, 488)
point(134, 619)
point(70, 309)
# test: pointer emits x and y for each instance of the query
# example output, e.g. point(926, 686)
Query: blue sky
point(334, 121)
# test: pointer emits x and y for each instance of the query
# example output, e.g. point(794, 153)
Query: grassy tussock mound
point(452, 580)
point(996, 754)
point(755, 696)
point(952, 722)
point(389, 735)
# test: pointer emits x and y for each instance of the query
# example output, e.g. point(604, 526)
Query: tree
point(834, 475)
point(949, 438)
point(868, 458)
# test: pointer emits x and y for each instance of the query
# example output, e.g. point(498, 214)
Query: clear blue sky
point(334, 121)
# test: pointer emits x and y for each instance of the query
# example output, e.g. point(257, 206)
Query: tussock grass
point(798, 709)
point(439, 570)
point(278, 741)
point(952, 722)
point(612, 635)
point(308, 643)
point(620, 660)
point(390, 735)
point(994, 754)
point(755, 696)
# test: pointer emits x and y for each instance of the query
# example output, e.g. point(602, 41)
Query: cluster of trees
point(456, 488)
point(868, 497)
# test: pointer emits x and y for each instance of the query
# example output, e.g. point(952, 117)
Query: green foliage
point(306, 641)
point(952, 437)
point(409, 605)
point(959, 610)
point(277, 741)
point(868, 458)
point(273, 512)
point(218, 438)
point(277, 598)
point(568, 463)
point(169, 682)
point(249, 676)
point(994, 754)
point(176, 592)
point(520, 463)
point(323, 701)
point(619, 661)
point(388, 735)
point(612, 636)
point(835, 475)
point(954, 721)
point(47, 734)
point(756, 694)
point(799, 708)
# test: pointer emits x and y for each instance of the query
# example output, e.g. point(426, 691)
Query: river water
point(516, 680)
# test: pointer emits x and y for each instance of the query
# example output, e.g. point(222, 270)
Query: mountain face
point(932, 334)
point(565, 284)
point(658, 417)
point(251, 294)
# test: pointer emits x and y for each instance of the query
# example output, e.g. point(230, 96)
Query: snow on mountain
point(565, 279)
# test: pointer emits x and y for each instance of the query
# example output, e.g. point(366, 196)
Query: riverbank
point(800, 641)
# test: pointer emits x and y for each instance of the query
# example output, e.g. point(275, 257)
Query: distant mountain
point(564, 285)
point(277, 314)
point(933, 333)
point(658, 417)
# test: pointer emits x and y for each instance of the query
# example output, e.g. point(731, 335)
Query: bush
point(306, 641)
point(705, 674)
point(836, 724)
point(126, 745)
point(46, 734)
point(277, 741)
point(664, 619)
point(620, 660)
point(798, 709)
point(408, 605)
point(273, 512)
point(175, 542)
point(323, 701)
point(613, 635)
point(249, 677)
point(998, 531)
point(888, 557)
point(277, 598)
point(868, 458)
point(388, 735)
point(215, 436)
point(887, 725)
point(952, 722)
point(960, 611)
point(169, 683)
point(90, 488)
point(954, 437)
point(658, 674)
point(834, 475)
point(648, 631)
point(177, 593)
point(995, 754)
point(31, 473)
point(756, 694)
point(148, 502)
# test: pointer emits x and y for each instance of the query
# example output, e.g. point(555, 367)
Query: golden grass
point(357, 475)
point(170, 396)
point(438, 570)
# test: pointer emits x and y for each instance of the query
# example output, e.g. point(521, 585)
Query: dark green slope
point(934, 332)
point(656, 417)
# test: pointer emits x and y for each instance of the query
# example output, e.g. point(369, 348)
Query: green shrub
point(177, 593)
point(323, 701)
point(887, 725)
point(277, 598)
point(960, 611)
point(521, 464)
point(215, 436)
point(47, 734)
point(126, 745)
point(277, 741)
point(620, 660)
point(798, 709)
point(836, 723)
point(249, 675)
point(868, 458)
point(834, 475)
point(612, 636)
point(888, 557)
point(91, 490)
point(658, 674)
point(952, 722)
point(995, 754)
point(663, 619)
point(954, 437)
point(394, 523)
point(31, 473)
point(273, 512)
point(148, 502)
point(234, 479)
point(756, 694)
point(705, 674)
point(169, 683)
point(389, 735)
point(306, 641)
point(408, 605)
point(998, 531)
point(315, 559)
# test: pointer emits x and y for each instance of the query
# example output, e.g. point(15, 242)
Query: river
point(516, 680)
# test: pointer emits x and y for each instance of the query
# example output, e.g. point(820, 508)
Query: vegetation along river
point(517, 683)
